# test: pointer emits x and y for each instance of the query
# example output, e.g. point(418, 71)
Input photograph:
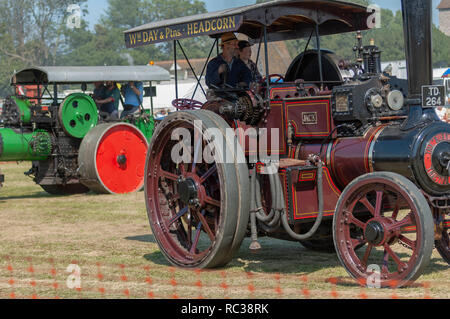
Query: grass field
point(108, 237)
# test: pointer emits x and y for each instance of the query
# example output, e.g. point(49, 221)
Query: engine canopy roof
point(284, 20)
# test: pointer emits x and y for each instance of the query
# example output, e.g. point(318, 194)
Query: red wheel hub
point(120, 159)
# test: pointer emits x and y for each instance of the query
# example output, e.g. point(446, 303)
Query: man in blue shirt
point(133, 92)
point(226, 68)
point(109, 103)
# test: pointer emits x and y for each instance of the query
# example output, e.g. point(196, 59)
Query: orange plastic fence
point(35, 278)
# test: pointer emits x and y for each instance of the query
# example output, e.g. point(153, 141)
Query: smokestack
point(417, 19)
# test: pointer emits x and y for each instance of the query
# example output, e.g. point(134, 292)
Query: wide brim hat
point(227, 37)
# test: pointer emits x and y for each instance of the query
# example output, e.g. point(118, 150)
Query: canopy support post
point(204, 68)
point(319, 55)
point(192, 69)
point(259, 50)
point(55, 94)
point(151, 98)
point(175, 67)
point(266, 52)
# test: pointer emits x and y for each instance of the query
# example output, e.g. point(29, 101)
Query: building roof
point(445, 4)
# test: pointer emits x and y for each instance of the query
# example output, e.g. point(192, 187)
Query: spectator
point(133, 92)
point(226, 68)
point(110, 102)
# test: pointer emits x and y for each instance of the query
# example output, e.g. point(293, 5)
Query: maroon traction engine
point(364, 161)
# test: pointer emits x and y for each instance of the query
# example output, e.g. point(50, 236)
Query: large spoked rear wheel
point(197, 204)
point(443, 244)
point(398, 236)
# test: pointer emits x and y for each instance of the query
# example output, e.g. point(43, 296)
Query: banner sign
point(181, 31)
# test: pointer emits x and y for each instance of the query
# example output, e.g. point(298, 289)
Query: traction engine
point(363, 169)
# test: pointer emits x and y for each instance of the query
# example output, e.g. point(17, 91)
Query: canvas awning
point(284, 19)
point(43, 75)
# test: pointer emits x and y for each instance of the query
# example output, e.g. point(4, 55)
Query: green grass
point(109, 237)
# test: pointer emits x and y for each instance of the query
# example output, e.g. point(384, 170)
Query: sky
point(96, 7)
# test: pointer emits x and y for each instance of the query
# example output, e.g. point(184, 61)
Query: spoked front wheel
point(197, 205)
point(397, 237)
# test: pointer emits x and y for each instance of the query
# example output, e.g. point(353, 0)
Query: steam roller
point(71, 152)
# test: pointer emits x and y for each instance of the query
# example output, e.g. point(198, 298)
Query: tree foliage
point(34, 32)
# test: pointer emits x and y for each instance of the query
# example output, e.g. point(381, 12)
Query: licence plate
point(433, 96)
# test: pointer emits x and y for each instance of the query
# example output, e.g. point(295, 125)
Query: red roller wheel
point(112, 158)
point(389, 215)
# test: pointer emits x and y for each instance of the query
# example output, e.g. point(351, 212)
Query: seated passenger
point(245, 52)
point(226, 68)
point(110, 102)
point(133, 93)
point(99, 91)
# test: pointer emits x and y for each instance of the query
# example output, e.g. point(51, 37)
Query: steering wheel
point(186, 104)
point(277, 77)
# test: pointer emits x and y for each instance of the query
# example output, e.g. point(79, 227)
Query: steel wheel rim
point(177, 246)
point(396, 269)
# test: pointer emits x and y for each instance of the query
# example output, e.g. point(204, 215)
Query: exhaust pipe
point(417, 22)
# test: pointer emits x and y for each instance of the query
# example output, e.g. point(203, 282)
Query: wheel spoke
point(196, 238)
point(366, 255)
point(408, 242)
point(378, 204)
point(393, 255)
point(206, 227)
point(396, 209)
point(353, 220)
point(189, 230)
point(178, 216)
point(356, 242)
point(407, 221)
point(168, 175)
point(368, 205)
point(211, 171)
point(212, 201)
point(182, 169)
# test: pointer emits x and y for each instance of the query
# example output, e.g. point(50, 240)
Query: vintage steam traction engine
point(72, 146)
point(364, 168)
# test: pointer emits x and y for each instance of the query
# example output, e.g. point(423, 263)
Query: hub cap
point(187, 190)
point(374, 233)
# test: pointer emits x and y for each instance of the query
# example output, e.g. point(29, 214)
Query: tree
point(107, 42)
point(32, 33)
